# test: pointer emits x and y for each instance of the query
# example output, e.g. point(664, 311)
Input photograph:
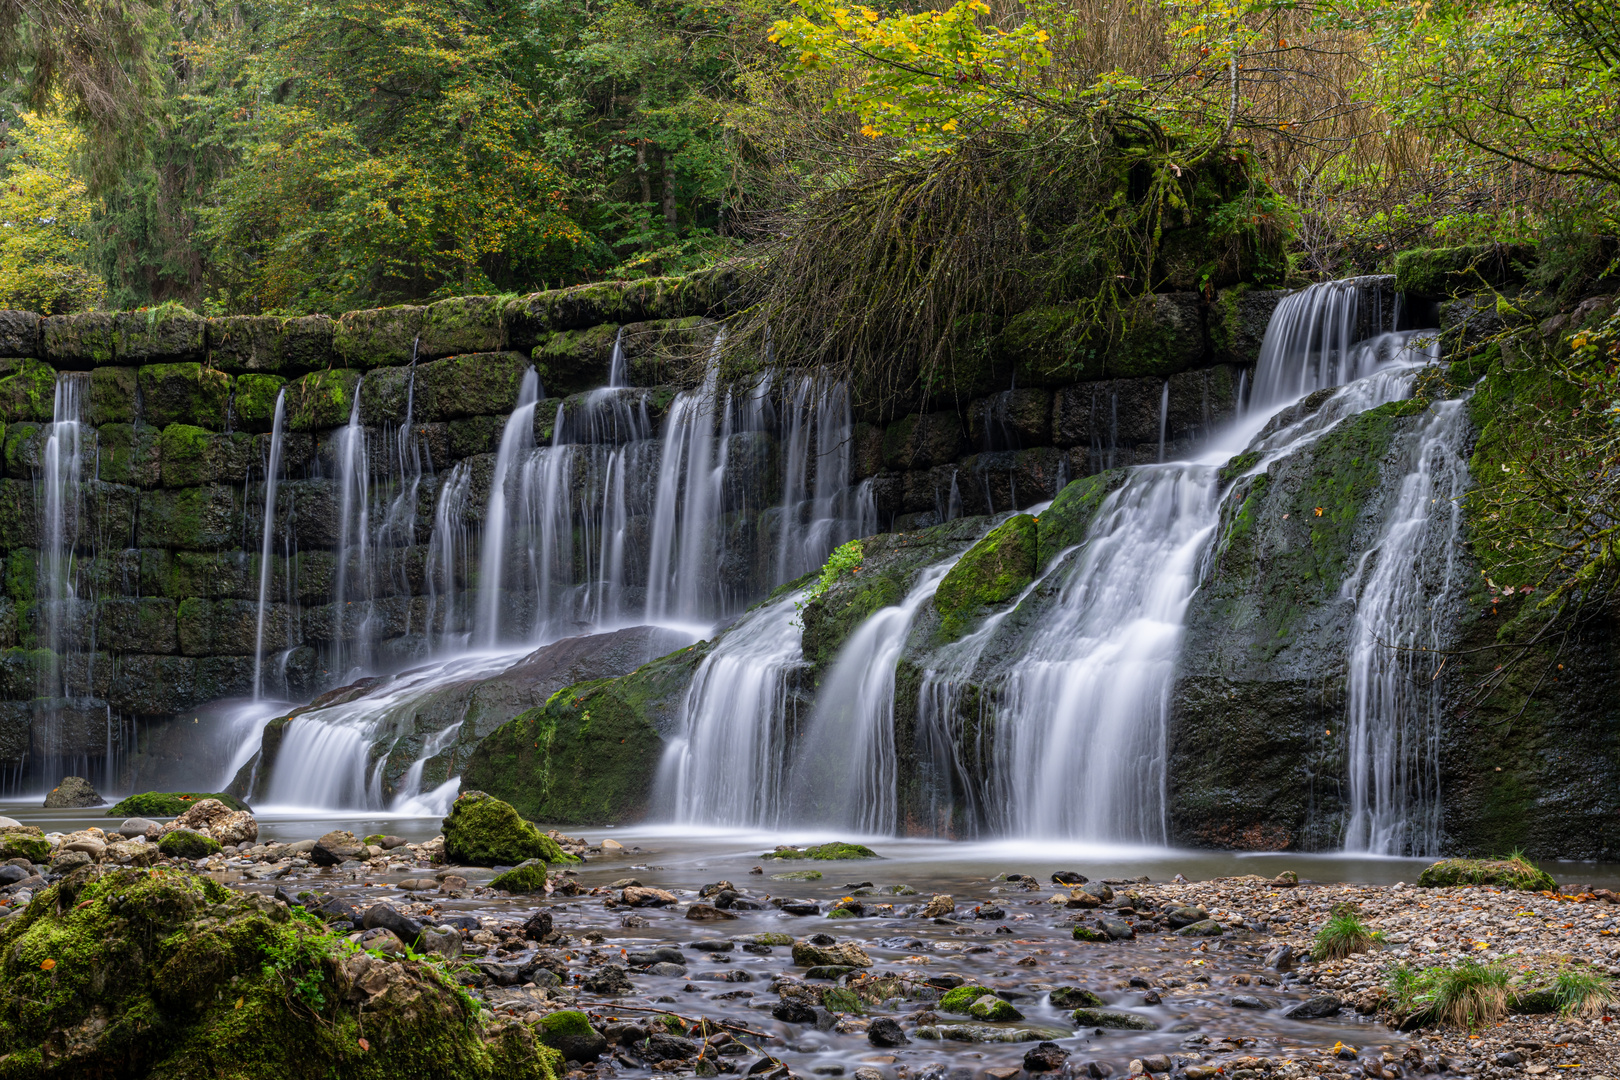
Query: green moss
point(484, 831)
point(461, 324)
point(1067, 521)
point(1088, 933)
point(1516, 873)
point(831, 851)
point(128, 454)
point(960, 999)
point(156, 804)
point(112, 396)
point(184, 394)
point(994, 1010)
point(590, 754)
point(162, 973)
point(321, 400)
point(1445, 271)
point(573, 361)
point(568, 1023)
point(256, 400)
point(377, 336)
point(1075, 997)
point(185, 844)
point(27, 390)
point(24, 842)
point(522, 879)
point(993, 571)
point(183, 453)
point(798, 875)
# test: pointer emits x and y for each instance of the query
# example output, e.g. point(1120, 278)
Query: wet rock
point(137, 826)
point(185, 844)
point(1117, 929)
point(993, 1009)
point(1316, 1008)
point(1203, 928)
point(667, 969)
point(663, 1047)
point(1501, 873)
point(443, 941)
point(1185, 916)
point(798, 875)
point(885, 1031)
point(538, 926)
point(388, 917)
point(72, 793)
point(1088, 933)
point(1247, 1001)
point(849, 954)
point(1109, 1018)
point(641, 896)
point(793, 1011)
point(213, 818)
point(801, 907)
point(984, 1033)
point(1101, 890)
point(1045, 1057)
point(733, 976)
point(68, 861)
point(526, 878)
point(938, 907)
point(707, 913)
point(1156, 1063)
point(1281, 958)
point(990, 911)
point(10, 875)
point(666, 954)
point(610, 980)
point(712, 945)
point(1074, 997)
point(830, 972)
point(335, 848)
point(378, 939)
point(1079, 898)
point(570, 1033)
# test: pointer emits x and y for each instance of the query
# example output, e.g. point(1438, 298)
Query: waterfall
point(1403, 588)
point(1309, 343)
point(517, 438)
point(727, 764)
point(447, 560)
point(272, 473)
point(1164, 417)
point(618, 375)
point(846, 769)
point(398, 528)
point(690, 482)
point(817, 512)
point(354, 545)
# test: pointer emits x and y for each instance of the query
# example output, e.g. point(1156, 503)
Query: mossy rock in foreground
point(185, 844)
point(529, 878)
point(24, 842)
point(1502, 873)
point(834, 850)
point(156, 804)
point(154, 973)
point(960, 999)
point(484, 831)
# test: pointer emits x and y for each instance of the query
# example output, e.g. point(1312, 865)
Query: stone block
point(321, 400)
point(168, 332)
point(16, 719)
point(212, 574)
point(128, 454)
point(921, 441)
point(78, 341)
point(189, 456)
point(1168, 336)
point(573, 361)
point(19, 333)
point(184, 394)
point(475, 435)
point(27, 390)
point(18, 528)
point(1011, 420)
point(230, 627)
point(866, 455)
point(666, 352)
point(19, 574)
point(1238, 321)
point(112, 396)
point(377, 337)
point(254, 405)
point(928, 490)
point(223, 676)
point(194, 519)
point(478, 384)
point(462, 324)
point(268, 346)
point(24, 443)
point(151, 685)
point(109, 515)
point(1003, 480)
point(308, 512)
point(144, 625)
point(386, 393)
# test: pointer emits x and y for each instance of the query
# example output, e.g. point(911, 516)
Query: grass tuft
point(1583, 992)
point(1342, 935)
point(1468, 995)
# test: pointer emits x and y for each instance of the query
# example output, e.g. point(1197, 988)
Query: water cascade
point(1403, 588)
point(272, 473)
point(517, 438)
point(354, 546)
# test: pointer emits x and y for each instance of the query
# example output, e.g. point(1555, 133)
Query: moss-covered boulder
point(484, 831)
point(837, 849)
point(184, 394)
point(112, 396)
point(255, 401)
point(992, 572)
point(589, 756)
point(569, 1032)
point(377, 336)
point(1516, 873)
point(1109, 1018)
point(81, 339)
point(27, 390)
point(960, 999)
point(1437, 272)
point(321, 400)
point(153, 973)
point(165, 332)
point(156, 804)
point(24, 842)
point(528, 878)
point(478, 384)
point(185, 844)
point(460, 324)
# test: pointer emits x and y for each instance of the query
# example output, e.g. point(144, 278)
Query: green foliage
point(45, 213)
point(1468, 995)
point(155, 804)
point(1584, 992)
point(845, 559)
point(1342, 935)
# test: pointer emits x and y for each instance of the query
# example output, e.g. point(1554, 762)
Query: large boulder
point(484, 831)
point(156, 804)
point(73, 792)
point(136, 973)
point(213, 818)
point(1515, 873)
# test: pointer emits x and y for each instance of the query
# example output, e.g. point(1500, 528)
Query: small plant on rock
point(1342, 935)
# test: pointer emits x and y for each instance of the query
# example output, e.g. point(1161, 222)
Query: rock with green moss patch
point(27, 390)
point(984, 1033)
point(1436, 272)
point(478, 384)
point(1087, 933)
point(155, 804)
point(961, 998)
point(1075, 997)
point(484, 831)
point(1518, 874)
point(19, 333)
point(798, 875)
point(570, 1033)
point(993, 571)
point(460, 324)
point(191, 456)
point(153, 973)
point(184, 394)
point(1109, 1018)
point(994, 1010)
point(1067, 521)
point(572, 361)
point(255, 401)
point(1238, 322)
point(112, 396)
point(78, 339)
point(24, 842)
point(165, 332)
point(377, 336)
point(530, 877)
point(185, 844)
point(835, 850)
point(321, 400)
